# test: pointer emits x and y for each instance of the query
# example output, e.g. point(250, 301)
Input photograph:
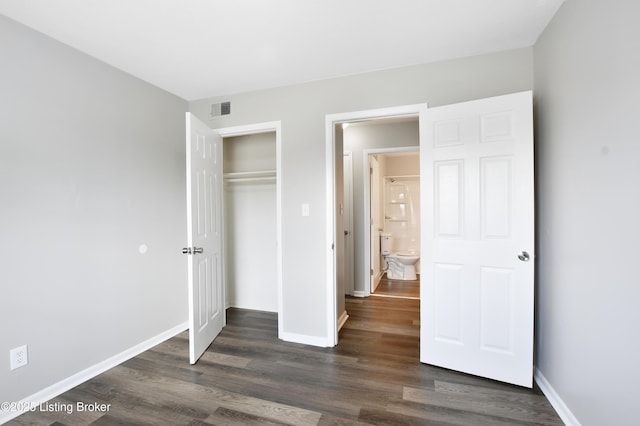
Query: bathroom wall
point(402, 164)
point(402, 200)
point(250, 223)
point(405, 225)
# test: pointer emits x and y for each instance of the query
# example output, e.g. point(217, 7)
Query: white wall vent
point(220, 109)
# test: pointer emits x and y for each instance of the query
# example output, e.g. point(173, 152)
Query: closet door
point(204, 236)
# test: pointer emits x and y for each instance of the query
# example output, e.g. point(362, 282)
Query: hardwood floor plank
point(227, 417)
point(377, 416)
point(208, 397)
point(329, 420)
point(517, 407)
point(433, 414)
point(63, 410)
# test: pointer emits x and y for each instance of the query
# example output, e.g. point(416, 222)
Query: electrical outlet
point(19, 357)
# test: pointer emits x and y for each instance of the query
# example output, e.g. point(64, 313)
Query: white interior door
point(341, 312)
point(478, 238)
point(376, 222)
point(348, 223)
point(204, 236)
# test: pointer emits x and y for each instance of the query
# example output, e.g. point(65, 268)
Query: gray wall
point(587, 65)
point(357, 138)
point(250, 153)
point(302, 110)
point(91, 167)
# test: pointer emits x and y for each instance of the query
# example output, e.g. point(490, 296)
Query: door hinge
point(332, 246)
point(371, 272)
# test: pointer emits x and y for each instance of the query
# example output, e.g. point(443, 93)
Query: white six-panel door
point(204, 235)
point(477, 251)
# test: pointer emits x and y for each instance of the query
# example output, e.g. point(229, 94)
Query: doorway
point(250, 221)
point(394, 209)
point(250, 172)
point(334, 149)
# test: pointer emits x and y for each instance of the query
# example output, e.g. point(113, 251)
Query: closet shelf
point(255, 176)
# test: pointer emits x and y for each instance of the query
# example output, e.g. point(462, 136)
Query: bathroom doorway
point(394, 208)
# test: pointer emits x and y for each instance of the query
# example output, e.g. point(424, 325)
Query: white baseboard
point(88, 373)
point(305, 339)
point(343, 318)
point(359, 294)
point(556, 402)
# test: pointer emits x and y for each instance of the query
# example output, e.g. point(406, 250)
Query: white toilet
point(401, 265)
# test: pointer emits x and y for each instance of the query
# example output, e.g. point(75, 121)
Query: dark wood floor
point(398, 288)
point(249, 377)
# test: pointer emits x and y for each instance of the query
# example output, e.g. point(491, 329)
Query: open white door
point(375, 223)
point(348, 224)
point(478, 238)
point(204, 235)
point(341, 312)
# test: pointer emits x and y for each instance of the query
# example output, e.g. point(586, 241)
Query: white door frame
point(366, 230)
point(330, 145)
point(253, 129)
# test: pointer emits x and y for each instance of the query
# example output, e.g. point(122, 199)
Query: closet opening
point(252, 256)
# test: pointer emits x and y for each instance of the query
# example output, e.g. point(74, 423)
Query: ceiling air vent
point(220, 109)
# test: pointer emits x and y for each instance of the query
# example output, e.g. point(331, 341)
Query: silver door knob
point(197, 250)
point(186, 250)
point(524, 256)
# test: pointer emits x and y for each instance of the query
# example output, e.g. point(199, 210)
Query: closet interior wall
point(250, 221)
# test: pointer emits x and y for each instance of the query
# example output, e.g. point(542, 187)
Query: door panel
point(477, 295)
point(496, 203)
point(204, 235)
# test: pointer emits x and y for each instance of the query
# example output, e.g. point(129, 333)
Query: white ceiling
point(203, 48)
